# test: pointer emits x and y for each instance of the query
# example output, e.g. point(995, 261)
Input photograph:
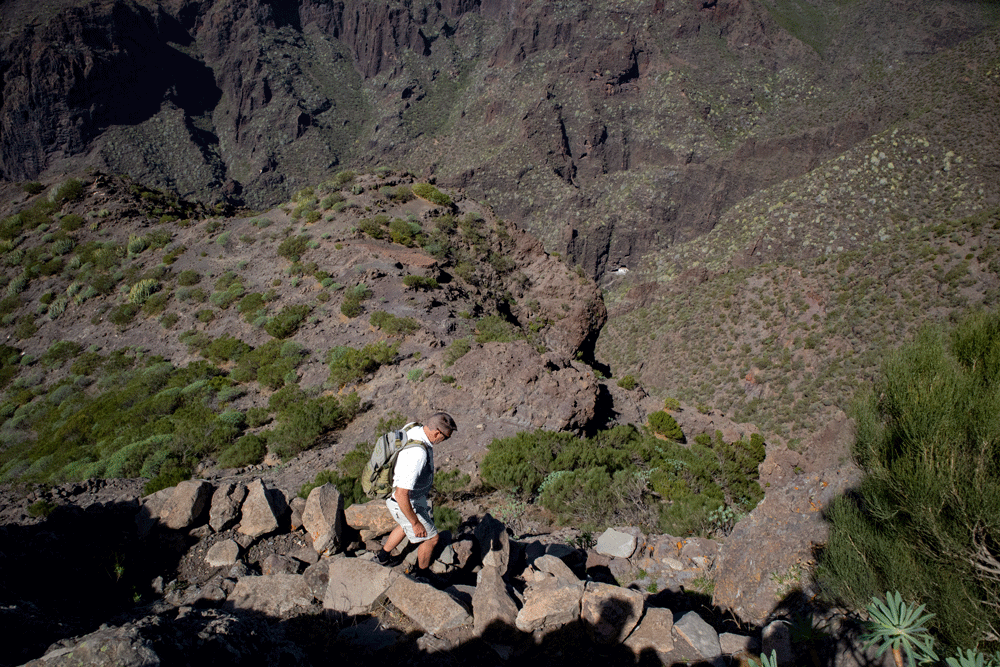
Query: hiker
point(408, 503)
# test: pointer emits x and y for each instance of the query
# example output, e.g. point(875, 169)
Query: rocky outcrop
point(634, 137)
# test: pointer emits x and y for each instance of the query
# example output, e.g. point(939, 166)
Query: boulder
point(760, 562)
point(555, 567)
point(260, 517)
point(494, 611)
point(354, 585)
point(610, 612)
point(279, 564)
point(223, 554)
point(732, 643)
point(317, 576)
point(494, 543)
point(701, 636)
point(150, 508)
point(297, 505)
point(224, 511)
point(372, 518)
point(616, 544)
point(118, 647)
point(552, 598)
point(275, 595)
point(655, 631)
point(187, 504)
point(323, 518)
point(432, 610)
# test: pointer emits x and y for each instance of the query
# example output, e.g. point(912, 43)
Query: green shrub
point(302, 423)
point(420, 282)
point(71, 222)
point(392, 325)
point(451, 481)
point(447, 518)
point(122, 315)
point(60, 352)
point(293, 247)
point(351, 306)
point(628, 383)
point(25, 327)
point(227, 298)
point(251, 306)
point(68, 190)
point(136, 244)
point(225, 348)
point(665, 425)
point(495, 329)
point(287, 321)
point(343, 178)
point(610, 478)
point(41, 508)
point(458, 349)
point(928, 438)
point(349, 365)
point(32, 187)
point(205, 315)
point(156, 303)
point(431, 194)
point(188, 278)
point(248, 450)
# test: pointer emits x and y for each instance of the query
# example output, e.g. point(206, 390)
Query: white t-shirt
point(415, 466)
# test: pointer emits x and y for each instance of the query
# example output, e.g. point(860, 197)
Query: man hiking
point(413, 478)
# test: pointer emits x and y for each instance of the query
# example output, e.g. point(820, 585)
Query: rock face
point(250, 100)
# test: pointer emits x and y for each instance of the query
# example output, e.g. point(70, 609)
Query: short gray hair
point(443, 422)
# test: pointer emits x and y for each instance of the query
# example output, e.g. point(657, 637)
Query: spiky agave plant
point(900, 626)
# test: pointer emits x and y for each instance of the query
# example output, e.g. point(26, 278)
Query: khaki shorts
point(424, 512)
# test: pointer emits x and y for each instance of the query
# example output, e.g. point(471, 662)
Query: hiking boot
point(427, 577)
point(386, 559)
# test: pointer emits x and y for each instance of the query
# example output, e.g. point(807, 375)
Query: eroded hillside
point(147, 337)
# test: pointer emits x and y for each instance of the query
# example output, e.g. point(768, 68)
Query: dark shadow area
point(76, 570)
point(84, 571)
point(135, 70)
point(604, 411)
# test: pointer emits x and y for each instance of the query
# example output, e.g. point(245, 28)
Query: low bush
point(663, 424)
point(303, 422)
point(247, 450)
point(420, 282)
point(286, 322)
point(495, 329)
point(458, 349)
point(431, 194)
point(628, 383)
point(122, 315)
point(611, 478)
point(349, 365)
point(392, 325)
point(293, 247)
point(351, 306)
point(188, 278)
point(68, 190)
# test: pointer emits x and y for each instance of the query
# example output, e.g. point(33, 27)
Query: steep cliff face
point(605, 128)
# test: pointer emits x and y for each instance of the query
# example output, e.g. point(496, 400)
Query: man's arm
point(403, 500)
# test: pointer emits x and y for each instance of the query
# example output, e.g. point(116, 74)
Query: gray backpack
point(376, 480)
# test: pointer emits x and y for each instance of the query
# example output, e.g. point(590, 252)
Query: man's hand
point(403, 500)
